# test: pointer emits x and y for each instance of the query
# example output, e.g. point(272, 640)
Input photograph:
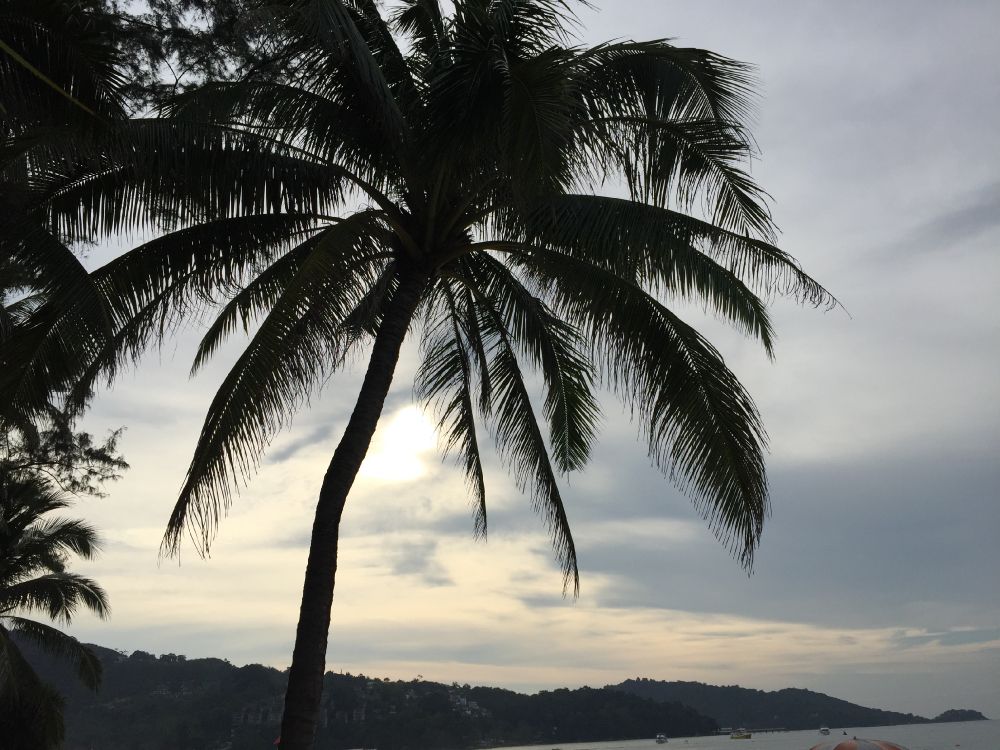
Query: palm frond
point(31, 711)
point(61, 646)
point(34, 549)
point(49, 266)
point(69, 536)
point(468, 315)
point(57, 62)
point(423, 23)
point(690, 160)
point(199, 264)
point(657, 79)
point(445, 379)
point(327, 129)
point(252, 301)
point(37, 362)
point(554, 348)
point(300, 340)
point(331, 23)
point(145, 292)
point(59, 595)
point(365, 318)
point(45, 545)
point(672, 120)
point(530, 26)
point(520, 441)
point(536, 129)
point(658, 246)
point(385, 50)
point(703, 428)
point(26, 64)
point(149, 175)
point(10, 662)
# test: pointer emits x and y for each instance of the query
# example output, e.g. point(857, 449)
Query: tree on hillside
point(34, 551)
point(441, 172)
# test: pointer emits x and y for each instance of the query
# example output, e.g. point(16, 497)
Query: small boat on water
point(740, 734)
point(824, 730)
point(661, 739)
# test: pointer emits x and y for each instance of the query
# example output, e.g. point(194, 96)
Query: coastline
point(949, 735)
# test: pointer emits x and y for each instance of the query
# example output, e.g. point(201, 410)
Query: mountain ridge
point(163, 702)
point(166, 702)
point(788, 708)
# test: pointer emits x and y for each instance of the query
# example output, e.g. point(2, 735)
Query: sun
point(401, 447)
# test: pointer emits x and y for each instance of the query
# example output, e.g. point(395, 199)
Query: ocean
point(959, 735)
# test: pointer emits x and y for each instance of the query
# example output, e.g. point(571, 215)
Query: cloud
point(848, 546)
point(290, 448)
point(957, 637)
point(417, 559)
point(975, 215)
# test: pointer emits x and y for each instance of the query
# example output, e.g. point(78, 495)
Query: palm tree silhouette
point(61, 91)
point(442, 172)
point(34, 550)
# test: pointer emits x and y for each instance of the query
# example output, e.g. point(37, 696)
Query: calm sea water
point(962, 735)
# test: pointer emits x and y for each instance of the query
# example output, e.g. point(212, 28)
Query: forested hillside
point(167, 702)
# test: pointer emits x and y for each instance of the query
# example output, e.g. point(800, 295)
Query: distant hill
point(960, 714)
point(168, 702)
point(791, 708)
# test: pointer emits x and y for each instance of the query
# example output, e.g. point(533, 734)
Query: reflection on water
point(964, 735)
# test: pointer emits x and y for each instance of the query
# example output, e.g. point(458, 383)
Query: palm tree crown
point(465, 167)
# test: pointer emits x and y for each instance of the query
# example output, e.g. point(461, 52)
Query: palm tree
point(443, 172)
point(61, 87)
point(34, 550)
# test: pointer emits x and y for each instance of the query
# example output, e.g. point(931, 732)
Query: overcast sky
point(877, 579)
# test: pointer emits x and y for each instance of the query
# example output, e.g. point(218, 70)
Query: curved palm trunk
point(305, 678)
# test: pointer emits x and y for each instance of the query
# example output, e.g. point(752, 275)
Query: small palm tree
point(448, 182)
point(34, 550)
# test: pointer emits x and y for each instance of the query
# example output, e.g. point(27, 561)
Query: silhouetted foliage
point(140, 51)
point(35, 548)
point(379, 171)
point(73, 460)
point(71, 71)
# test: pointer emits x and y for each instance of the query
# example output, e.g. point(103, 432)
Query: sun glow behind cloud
point(402, 447)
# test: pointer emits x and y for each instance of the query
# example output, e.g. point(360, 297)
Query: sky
point(876, 580)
